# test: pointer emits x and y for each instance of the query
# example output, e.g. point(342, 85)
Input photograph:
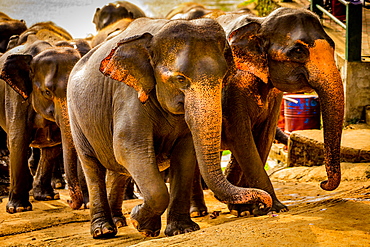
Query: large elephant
point(36, 74)
point(287, 51)
point(112, 12)
point(132, 101)
point(8, 28)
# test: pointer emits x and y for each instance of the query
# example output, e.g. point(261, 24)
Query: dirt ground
point(315, 218)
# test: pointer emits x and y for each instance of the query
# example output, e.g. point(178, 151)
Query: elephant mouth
point(177, 107)
point(297, 81)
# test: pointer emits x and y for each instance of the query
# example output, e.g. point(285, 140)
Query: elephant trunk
point(328, 85)
point(203, 115)
point(69, 157)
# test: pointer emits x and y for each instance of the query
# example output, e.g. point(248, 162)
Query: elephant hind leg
point(102, 225)
point(115, 184)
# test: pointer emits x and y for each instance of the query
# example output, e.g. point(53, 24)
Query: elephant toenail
point(106, 230)
point(20, 209)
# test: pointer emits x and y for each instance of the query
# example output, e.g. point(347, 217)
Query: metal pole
point(353, 30)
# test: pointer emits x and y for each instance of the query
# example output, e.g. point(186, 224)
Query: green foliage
point(226, 152)
point(354, 121)
point(265, 7)
point(245, 3)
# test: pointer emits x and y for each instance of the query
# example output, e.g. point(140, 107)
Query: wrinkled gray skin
point(162, 87)
point(32, 75)
point(287, 51)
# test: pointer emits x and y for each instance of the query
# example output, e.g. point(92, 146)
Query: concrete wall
point(356, 81)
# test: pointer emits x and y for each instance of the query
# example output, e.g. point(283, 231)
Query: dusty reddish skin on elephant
point(321, 64)
point(75, 190)
point(287, 51)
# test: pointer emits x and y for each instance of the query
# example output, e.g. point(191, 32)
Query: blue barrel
point(301, 112)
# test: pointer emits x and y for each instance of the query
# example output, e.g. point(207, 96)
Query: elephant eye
point(180, 78)
point(47, 93)
point(298, 53)
point(298, 50)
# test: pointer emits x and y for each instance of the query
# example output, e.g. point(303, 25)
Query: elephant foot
point(198, 210)
point(18, 203)
point(245, 210)
point(40, 194)
point(119, 220)
point(58, 183)
point(277, 207)
point(185, 225)
point(102, 227)
point(145, 222)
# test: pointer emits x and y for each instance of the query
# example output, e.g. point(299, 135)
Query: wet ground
point(315, 218)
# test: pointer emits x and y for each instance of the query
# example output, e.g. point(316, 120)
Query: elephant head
point(8, 28)
point(290, 50)
point(113, 12)
point(185, 64)
point(42, 79)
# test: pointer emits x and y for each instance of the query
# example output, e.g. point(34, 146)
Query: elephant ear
point(130, 62)
point(248, 51)
point(16, 73)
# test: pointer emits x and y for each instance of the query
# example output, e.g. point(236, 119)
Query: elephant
point(47, 31)
point(8, 28)
point(112, 12)
point(287, 51)
point(188, 11)
point(81, 45)
point(33, 75)
point(158, 88)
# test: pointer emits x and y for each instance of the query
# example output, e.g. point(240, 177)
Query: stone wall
point(356, 82)
point(306, 147)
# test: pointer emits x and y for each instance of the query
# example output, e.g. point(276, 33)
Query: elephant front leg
point(57, 180)
point(198, 206)
point(182, 168)
point(42, 188)
point(146, 217)
point(20, 176)
point(253, 175)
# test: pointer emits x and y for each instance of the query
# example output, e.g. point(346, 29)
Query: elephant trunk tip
point(334, 177)
point(76, 199)
point(251, 196)
point(330, 185)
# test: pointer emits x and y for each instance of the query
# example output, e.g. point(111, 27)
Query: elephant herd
point(146, 95)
